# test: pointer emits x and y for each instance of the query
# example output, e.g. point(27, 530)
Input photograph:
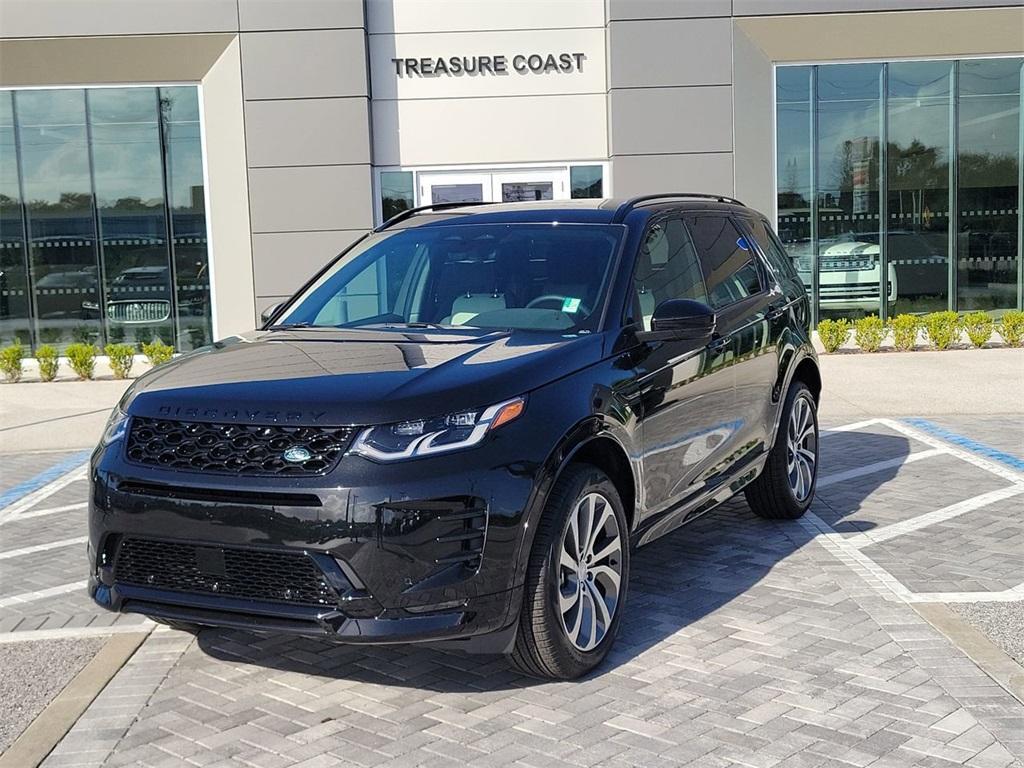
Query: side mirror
point(269, 312)
point(683, 319)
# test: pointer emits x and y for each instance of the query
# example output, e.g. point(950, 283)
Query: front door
point(685, 387)
point(493, 186)
point(533, 184)
point(452, 187)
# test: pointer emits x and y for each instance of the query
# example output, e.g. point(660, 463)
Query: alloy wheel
point(801, 448)
point(589, 571)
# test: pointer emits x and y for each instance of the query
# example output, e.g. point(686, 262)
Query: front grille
point(138, 311)
point(243, 573)
point(234, 449)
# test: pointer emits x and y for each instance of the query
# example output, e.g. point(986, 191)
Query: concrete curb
point(982, 651)
point(46, 731)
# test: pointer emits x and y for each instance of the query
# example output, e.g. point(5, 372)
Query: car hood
point(355, 376)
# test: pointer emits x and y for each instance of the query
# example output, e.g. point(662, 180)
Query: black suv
point(459, 429)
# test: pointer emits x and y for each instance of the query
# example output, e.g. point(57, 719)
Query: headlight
point(426, 437)
point(116, 426)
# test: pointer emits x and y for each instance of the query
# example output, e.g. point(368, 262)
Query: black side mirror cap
point(682, 319)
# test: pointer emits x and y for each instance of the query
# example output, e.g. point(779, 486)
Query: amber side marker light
point(509, 413)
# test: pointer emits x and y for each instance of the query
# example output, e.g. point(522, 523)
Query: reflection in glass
point(14, 296)
point(848, 115)
point(179, 110)
point(396, 193)
point(793, 95)
point(918, 167)
point(989, 178)
point(517, 192)
point(950, 170)
point(58, 201)
point(128, 179)
point(457, 193)
point(586, 181)
point(112, 185)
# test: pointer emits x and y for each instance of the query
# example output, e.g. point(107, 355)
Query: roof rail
point(408, 213)
point(633, 202)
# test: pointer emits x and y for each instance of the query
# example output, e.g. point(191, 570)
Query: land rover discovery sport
point(460, 428)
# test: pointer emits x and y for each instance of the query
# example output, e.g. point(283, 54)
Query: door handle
point(717, 343)
point(775, 311)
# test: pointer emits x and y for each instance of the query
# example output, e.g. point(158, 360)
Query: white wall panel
point(475, 15)
point(524, 129)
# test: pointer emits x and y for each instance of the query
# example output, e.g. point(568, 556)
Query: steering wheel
point(583, 309)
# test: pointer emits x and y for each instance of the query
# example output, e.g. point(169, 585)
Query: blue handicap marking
point(48, 475)
point(967, 443)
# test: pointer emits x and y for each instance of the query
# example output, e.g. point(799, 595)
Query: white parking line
point(850, 427)
point(847, 549)
point(50, 511)
point(11, 511)
point(41, 594)
point(74, 632)
point(867, 538)
point(42, 547)
point(879, 466)
point(971, 458)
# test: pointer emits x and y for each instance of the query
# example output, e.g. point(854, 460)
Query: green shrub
point(868, 332)
point(122, 357)
point(84, 334)
point(904, 332)
point(157, 353)
point(943, 328)
point(10, 361)
point(82, 359)
point(978, 326)
point(1011, 328)
point(50, 335)
point(48, 362)
point(833, 333)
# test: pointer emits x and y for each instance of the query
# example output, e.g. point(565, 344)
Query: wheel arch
point(592, 441)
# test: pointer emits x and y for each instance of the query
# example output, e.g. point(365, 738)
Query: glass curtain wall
point(899, 184)
point(102, 217)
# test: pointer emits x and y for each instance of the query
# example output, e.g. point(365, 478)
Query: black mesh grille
point(271, 576)
point(235, 449)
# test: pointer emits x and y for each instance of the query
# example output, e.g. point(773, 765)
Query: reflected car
point(458, 431)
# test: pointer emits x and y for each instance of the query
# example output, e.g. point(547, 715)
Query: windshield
point(523, 276)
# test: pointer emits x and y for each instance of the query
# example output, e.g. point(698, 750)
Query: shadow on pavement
point(676, 581)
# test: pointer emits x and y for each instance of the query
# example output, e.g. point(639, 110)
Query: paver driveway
point(746, 642)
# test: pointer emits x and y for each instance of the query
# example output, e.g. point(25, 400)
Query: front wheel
point(785, 488)
point(576, 579)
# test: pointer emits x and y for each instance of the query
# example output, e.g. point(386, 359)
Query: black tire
point(771, 495)
point(543, 647)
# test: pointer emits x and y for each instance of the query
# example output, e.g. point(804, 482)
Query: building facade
point(172, 168)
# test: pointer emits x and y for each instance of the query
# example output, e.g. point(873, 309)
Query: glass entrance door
point(444, 187)
point(493, 187)
point(539, 184)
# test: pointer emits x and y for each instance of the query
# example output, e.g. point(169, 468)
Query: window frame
point(758, 260)
point(632, 304)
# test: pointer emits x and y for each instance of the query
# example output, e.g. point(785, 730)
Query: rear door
point(747, 302)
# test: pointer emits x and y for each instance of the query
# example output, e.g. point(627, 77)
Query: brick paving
point(745, 642)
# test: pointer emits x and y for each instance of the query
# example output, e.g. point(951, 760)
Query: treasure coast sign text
point(499, 64)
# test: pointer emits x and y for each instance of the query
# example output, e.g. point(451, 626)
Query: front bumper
point(415, 551)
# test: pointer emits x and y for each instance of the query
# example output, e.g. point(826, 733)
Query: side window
point(780, 262)
point(667, 267)
point(729, 268)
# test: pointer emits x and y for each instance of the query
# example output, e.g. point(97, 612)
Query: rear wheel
point(576, 578)
point(785, 489)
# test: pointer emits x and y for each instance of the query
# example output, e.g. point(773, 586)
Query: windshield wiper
point(289, 326)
